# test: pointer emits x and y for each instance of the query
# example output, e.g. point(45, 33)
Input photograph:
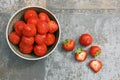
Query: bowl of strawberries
point(33, 33)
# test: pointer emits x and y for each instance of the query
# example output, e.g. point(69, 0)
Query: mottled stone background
point(101, 18)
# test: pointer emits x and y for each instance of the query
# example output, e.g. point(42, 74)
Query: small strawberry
point(69, 44)
point(86, 39)
point(95, 51)
point(81, 55)
point(95, 65)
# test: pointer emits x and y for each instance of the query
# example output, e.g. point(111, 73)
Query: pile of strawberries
point(81, 54)
point(34, 34)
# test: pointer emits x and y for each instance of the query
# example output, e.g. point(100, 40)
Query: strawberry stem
point(67, 41)
point(79, 50)
point(97, 54)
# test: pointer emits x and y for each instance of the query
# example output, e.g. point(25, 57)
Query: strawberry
point(95, 51)
point(95, 65)
point(81, 55)
point(86, 39)
point(69, 44)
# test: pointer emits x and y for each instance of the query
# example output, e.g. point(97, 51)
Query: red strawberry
point(14, 38)
point(42, 27)
point(29, 30)
point(25, 49)
point(69, 44)
point(85, 39)
point(27, 40)
point(95, 51)
point(80, 55)
point(95, 65)
point(53, 27)
point(50, 39)
point(40, 50)
point(18, 27)
point(44, 17)
point(40, 38)
point(33, 20)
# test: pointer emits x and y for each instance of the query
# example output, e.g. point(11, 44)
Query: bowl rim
point(9, 41)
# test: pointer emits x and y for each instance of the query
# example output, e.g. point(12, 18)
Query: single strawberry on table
point(95, 51)
point(81, 55)
point(85, 39)
point(95, 65)
point(69, 44)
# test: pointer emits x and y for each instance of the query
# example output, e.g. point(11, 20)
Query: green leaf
point(67, 41)
point(97, 54)
point(79, 50)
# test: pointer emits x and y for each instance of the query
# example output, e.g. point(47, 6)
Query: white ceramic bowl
point(19, 16)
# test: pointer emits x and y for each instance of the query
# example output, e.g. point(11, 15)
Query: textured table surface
point(101, 18)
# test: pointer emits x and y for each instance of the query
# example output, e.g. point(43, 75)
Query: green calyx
point(79, 51)
point(67, 41)
point(97, 54)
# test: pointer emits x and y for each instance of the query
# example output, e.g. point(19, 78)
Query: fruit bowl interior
point(19, 16)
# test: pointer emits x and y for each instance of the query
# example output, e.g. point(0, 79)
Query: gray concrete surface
point(103, 22)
